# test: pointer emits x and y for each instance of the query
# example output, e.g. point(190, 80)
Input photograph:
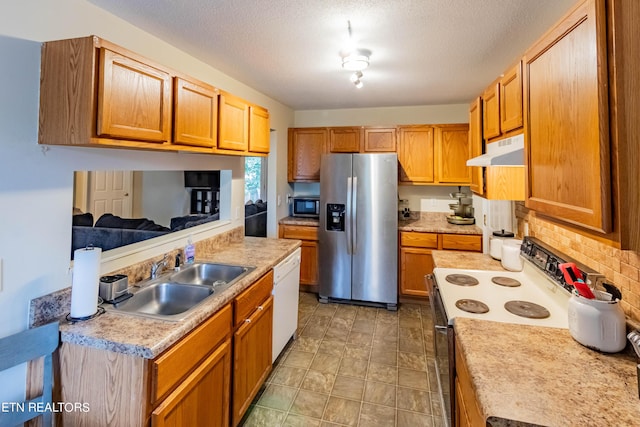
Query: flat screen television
point(202, 179)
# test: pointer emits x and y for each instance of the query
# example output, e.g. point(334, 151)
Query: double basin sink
point(173, 296)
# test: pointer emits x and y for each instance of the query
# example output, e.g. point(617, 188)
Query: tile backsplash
point(621, 267)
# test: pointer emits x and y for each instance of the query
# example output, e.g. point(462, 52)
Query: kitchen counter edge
point(145, 337)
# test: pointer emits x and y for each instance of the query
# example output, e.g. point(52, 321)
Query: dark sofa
point(255, 218)
point(111, 231)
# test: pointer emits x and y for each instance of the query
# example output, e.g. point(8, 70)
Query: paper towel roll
point(84, 288)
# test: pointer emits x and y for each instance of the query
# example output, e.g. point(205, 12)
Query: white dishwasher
point(286, 285)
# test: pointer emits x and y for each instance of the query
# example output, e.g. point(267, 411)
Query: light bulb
point(356, 76)
point(358, 83)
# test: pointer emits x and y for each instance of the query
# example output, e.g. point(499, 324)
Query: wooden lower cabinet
point(309, 274)
point(189, 384)
point(415, 263)
point(203, 398)
point(468, 413)
point(252, 343)
point(415, 258)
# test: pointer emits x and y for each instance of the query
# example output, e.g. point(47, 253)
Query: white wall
point(36, 182)
point(383, 116)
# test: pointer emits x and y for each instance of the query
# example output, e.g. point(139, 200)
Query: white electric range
point(538, 295)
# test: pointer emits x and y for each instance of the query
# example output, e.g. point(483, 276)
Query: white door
point(110, 192)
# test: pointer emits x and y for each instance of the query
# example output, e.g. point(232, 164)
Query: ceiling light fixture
point(356, 79)
point(357, 60)
point(353, 58)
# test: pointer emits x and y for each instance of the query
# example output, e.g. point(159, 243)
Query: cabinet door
point(475, 145)
point(345, 140)
point(491, 111)
point(567, 117)
point(195, 114)
point(452, 152)
point(259, 130)
point(415, 263)
point(134, 99)
point(309, 263)
point(378, 140)
point(203, 398)
point(415, 154)
point(306, 147)
point(511, 99)
point(252, 357)
point(233, 129)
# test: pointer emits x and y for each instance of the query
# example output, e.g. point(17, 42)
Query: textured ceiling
point(424, 52)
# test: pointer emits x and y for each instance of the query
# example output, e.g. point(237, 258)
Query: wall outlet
point(279, 202)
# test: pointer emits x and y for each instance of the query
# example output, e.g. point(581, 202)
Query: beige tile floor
point(353, 366)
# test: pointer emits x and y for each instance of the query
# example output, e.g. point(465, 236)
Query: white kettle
point(597, 324)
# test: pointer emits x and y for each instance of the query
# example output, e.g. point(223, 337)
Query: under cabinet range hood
point(506, 152)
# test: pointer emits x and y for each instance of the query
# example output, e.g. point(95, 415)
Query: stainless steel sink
point(163, 300)
point(210, 274)
point(173, 296)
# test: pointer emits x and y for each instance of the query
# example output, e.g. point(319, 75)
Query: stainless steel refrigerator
point(358, 247)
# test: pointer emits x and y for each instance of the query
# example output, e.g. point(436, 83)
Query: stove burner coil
point(506, 281)
point(527, 309)
point(461, 280)
point(472, 306)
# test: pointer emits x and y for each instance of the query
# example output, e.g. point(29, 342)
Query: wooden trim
point(105, 380)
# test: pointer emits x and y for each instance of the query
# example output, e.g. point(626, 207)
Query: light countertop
point(436, 222)
point(146, 337)
point(529, 375)
point(424, 222)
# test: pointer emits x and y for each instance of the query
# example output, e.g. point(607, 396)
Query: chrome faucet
point(158, 265)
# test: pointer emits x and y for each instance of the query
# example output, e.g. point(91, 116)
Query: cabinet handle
point(260, 307)
point(247, 320)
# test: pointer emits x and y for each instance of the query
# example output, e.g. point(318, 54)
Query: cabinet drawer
point(300, 232)
point(463, 242)
point(176, 363)
point(418, 240)
point(250, 299)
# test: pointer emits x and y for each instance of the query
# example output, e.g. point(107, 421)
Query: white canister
point(596, 324)
point(510, 255)
point(495, 244)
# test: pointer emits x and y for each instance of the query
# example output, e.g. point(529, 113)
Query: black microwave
point(306, 206)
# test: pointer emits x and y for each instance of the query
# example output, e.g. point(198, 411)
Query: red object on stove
point(573, 276)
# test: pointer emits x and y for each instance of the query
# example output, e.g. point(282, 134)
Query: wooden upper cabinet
point(567, 120)
point(379, 140)
point(195, 113)
point(345, 139)
point(476, 145)
point(93, 92)
point(511, 99)
point(451, 154)
point(259, 130)
point(305, 148)
point(491, 111)
point(502, 104)
point(233, 123)
point(134, 99)
point(415, 154)
point(96, 93)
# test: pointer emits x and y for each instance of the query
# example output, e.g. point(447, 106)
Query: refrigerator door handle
point(348, 214)
point(354, 214)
